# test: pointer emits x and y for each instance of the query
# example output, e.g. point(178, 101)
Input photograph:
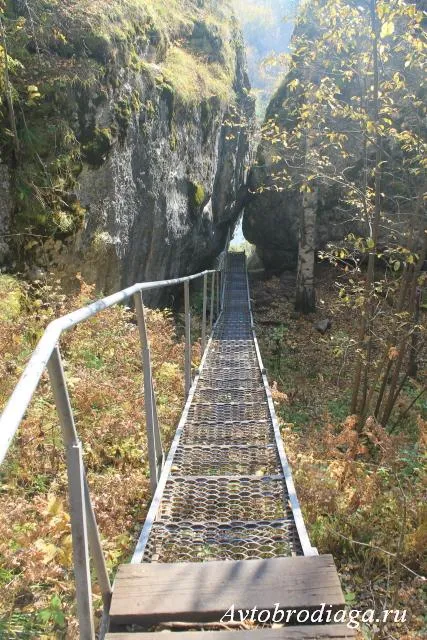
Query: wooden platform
point(147, 594)
point(315, 632)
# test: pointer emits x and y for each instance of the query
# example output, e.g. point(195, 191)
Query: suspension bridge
point(224, 531)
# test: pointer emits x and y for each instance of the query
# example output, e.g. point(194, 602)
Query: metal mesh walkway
point(226, 492)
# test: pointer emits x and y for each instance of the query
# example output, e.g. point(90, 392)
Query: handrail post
point(155, 450)
point(224, 277)
point(187, 355)
point(205, 301)
point(79, 534)
point(77, 497)
point(212, 301)
point(218, 289)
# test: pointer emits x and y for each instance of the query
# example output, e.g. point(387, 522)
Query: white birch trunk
point(305, 292)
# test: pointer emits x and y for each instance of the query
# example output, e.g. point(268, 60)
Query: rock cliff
point(134, 136)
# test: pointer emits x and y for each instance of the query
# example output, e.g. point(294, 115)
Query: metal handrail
point(17, 405)
point(84, 528)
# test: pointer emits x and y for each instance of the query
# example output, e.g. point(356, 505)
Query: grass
point(11, 296)
point(103, 370)
point(193, 79)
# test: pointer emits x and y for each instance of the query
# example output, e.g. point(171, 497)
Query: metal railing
point(84, 529)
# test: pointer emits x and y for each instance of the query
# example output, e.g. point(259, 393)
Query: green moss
point(194, 79)
point(123, 112)
point(149, 109)
point(101, 243)
point(135, 102)
point(123, 115)
point(96, 150)
point(10, 298)
point(197, 196)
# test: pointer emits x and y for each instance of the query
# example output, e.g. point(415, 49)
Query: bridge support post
point(212, 301)
point(187, 355)
point(84, 529)
point(155, 450)
point(223, 280)
point(80, 541)
point(205, 301)
point(218, 292)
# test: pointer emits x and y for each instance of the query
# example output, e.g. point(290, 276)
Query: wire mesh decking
point(227, 493)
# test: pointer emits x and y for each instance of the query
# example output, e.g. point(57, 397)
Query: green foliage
point(352, 124)
point(338, 407)
point(53, 614)
point(11, 295)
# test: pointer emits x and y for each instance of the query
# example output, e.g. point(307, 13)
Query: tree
point(354, 124)
point(5, 84)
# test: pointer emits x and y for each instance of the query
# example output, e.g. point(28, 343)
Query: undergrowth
point(361, 493)
point(103, 371)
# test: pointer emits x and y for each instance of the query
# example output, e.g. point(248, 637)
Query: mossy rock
point(209, 109)
point(96, 151)
point(173, 140)
point(199, 195)
point(196, 196)
point(123, 112)
point(206, 40)
point(10, 298)
point(97, 46)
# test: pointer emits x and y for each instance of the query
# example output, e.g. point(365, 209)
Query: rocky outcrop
point(158, 128)
point(271, 216)
point(162, 202)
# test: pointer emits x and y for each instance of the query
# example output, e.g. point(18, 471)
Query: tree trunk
point(305, 293)
point(8, 89)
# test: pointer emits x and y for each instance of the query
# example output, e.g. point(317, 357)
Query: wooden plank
point(152, 593)
point(315, 632)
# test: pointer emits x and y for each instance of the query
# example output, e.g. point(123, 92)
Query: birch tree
point(356, 121)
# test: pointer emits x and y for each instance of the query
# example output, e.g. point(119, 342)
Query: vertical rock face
point(138, 159)
point(162, 202)
point(270, 219)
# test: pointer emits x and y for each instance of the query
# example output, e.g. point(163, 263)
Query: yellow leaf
point(66, 551)
point(54, 505)
point(387, 29)
point(48, 550)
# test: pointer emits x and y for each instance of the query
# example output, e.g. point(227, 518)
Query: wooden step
point(147, 594)
point(315, 632)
